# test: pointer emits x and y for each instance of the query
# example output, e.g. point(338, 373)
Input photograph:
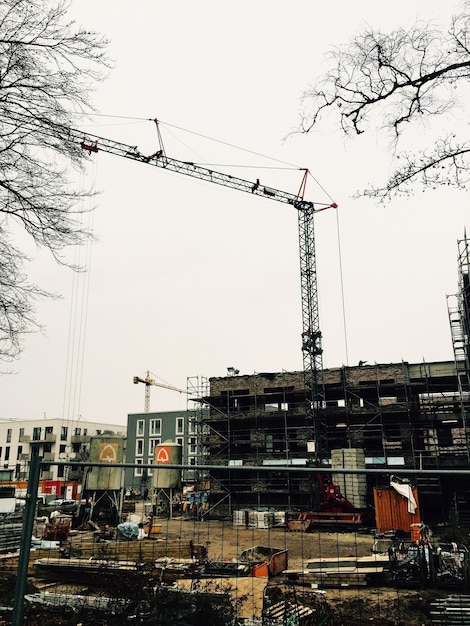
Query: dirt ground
point(372, 604)
point(225, 541)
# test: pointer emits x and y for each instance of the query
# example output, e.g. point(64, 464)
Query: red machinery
point(333, 509)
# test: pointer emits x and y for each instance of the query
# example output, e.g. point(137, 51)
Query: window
point(179, 425)
point(396, 460)
point(21, 434)
point(0, 452)
point(375, 460)
point(139, 447)
point(9, 435)
point(155, 427)
point(63, 433)
point(62, 448)
point(7, 453)
point(149, 469)
point(49, 430)
point(98, 432)
point(270, 407)
point(85, 430)
point(179, 441)
point(153, 443)
point(78, 431)
point(20, 451)
point(385, 400)
point(269, 443)
point(47, 448)
point(140, 427)
point(138, 470)
point(37, 433)
point(192, 445)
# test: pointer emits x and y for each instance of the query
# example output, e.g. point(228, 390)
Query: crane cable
point(203, 136)
point(78, 314)
point(343, 306)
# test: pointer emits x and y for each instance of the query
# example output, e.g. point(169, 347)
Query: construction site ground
point(361, 604)
point(223, 542)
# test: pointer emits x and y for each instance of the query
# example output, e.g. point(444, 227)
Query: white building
point(53, 439)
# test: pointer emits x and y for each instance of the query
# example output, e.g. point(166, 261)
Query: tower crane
point(311, 334)
point(148, 382)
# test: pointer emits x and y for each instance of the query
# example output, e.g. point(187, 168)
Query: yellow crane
point(148, 382)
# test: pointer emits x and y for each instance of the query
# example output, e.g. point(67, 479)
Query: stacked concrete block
point(353, 486)
point(240, 517)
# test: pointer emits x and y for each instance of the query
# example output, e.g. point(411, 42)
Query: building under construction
point(401, 415)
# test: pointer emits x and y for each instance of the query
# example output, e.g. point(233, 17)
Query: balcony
point(25, 438)
point(47, 476)
point(49, 438)
point(23, 457)
point(80, 439)
point(48, 456)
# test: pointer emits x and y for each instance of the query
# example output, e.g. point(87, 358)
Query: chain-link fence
point(121, 543)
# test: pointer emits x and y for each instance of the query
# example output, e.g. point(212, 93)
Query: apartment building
point(401, 415)
point(145, 431)
point(53, 439)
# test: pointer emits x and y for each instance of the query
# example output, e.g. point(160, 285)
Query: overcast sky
point(186, 278)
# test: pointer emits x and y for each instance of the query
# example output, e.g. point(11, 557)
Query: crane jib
point(159, 159)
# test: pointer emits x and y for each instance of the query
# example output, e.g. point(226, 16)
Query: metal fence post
point(28, 520)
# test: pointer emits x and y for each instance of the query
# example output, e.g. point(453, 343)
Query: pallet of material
point(277, 612)
point(96, 571)
point(356, 578)
point(133, 551)
point(9, 562)
point(141, 551)
point(341, 571)
point(351, 562)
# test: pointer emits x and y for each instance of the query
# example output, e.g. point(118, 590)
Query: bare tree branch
point(48, 67)
point(393, 82)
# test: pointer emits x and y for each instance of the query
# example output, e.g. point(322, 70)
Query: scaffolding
point(197, 390)
point(458, 306)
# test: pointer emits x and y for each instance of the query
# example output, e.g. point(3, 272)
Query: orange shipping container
point(391, 510)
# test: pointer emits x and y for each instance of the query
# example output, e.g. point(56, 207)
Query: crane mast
point(311, 334)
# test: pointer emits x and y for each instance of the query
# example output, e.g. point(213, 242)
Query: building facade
point(55, 440)
point(401, 415)
point(145, 431)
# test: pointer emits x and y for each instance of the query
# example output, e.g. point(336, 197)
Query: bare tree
point(48, 66)
point(395, 82)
